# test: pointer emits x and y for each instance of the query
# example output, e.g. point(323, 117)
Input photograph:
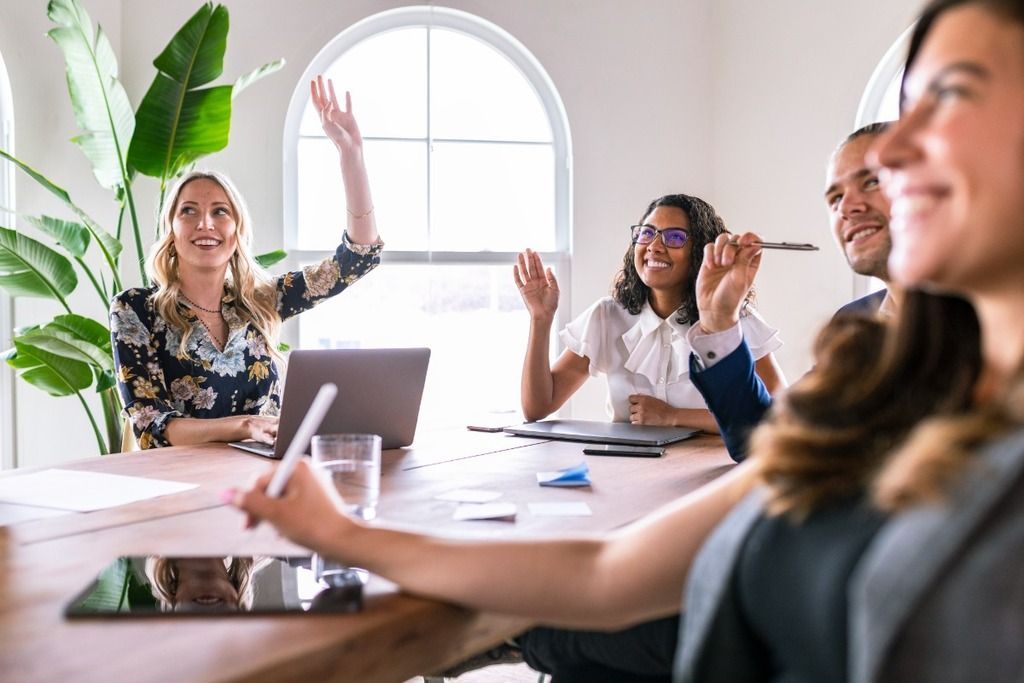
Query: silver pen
point(791, 246)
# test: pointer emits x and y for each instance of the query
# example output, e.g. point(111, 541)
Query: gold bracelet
point(357, 216)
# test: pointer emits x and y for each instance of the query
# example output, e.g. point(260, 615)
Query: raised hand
point(725, 278)
point(339, 124)
point(537, 286)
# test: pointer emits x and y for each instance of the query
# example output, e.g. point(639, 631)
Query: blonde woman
point(196, 353)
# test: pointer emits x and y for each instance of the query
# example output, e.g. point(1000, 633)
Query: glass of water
point(353, 463)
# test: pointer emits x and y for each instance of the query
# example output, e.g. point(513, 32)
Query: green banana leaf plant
point(181, 118)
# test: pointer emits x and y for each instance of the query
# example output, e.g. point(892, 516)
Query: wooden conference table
point(45, 562)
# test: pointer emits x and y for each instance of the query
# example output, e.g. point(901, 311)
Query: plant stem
point(92, 421)
point(160, 208)
point(104, 297)
point(112, 416)
point(138, 236)
point(120, 219)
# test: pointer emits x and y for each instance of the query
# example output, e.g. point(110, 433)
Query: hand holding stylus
point(314, 416)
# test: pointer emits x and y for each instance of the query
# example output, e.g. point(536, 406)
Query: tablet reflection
point(203, 584)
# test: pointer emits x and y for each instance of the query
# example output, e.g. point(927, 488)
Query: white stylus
point(314, 416)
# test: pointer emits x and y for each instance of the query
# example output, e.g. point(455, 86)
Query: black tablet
point(164, 586)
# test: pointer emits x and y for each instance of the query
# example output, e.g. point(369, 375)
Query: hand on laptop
point(262, 428)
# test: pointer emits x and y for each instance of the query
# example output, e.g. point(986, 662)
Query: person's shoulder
point(135, 295)
point(138, 299)
point(865, 305)
point(610, 309)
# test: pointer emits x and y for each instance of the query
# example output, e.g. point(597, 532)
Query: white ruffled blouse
point(645, 354)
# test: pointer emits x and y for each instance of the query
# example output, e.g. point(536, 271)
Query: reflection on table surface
point(156, 585)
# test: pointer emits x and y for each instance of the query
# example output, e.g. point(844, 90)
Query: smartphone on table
point(628, 451)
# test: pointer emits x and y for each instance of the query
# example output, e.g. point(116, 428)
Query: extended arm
point(725, 373)
point(544, 388)
point(635, 574)
point(359, 251)
point(341, 128)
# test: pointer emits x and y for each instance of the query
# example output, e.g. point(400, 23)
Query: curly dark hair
point(705, 225)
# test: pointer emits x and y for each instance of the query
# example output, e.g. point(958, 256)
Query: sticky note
point(568, 509)
point(578, 475)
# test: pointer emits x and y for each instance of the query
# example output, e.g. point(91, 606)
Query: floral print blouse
point(157, 384)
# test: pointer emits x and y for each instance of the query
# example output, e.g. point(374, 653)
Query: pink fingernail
point(227, 495)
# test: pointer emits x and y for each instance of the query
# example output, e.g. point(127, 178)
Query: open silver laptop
point(603, 432)
point(379, 392)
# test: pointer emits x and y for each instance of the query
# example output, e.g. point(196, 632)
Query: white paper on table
point(469, 496)
point(498, 512)
point(570, 509)
point(83, 491)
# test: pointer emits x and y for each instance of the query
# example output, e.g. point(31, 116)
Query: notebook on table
point(379, 392)
point(589, 431)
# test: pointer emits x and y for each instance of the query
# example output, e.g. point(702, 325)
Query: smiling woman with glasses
point(638, 336)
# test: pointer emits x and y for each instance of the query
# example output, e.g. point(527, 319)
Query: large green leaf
point(176, 127)
point(109, 594)
point(196, 52)
point(30, 268)
point(110, 246)
point(74, 237)
point(100, 103)
point(74, 337)
point(248, 79)
point(177, 121)
point(86, 329)
point(53, 374)
point(271, 257)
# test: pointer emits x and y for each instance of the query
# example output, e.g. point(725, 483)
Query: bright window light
point(467, 150)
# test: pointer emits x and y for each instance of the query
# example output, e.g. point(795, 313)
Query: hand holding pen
point(725, 279)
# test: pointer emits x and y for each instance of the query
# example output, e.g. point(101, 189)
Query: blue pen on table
point(314, 416)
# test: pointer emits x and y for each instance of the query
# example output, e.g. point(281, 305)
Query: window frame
point(498, 39)
point(888, 70)
point(8, 426)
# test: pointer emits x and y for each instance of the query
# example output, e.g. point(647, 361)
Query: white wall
point(788, 76)
point(738, 101)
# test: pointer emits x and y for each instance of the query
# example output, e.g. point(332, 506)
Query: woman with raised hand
point(885, 539)
point(196, 354)
point(638, 337)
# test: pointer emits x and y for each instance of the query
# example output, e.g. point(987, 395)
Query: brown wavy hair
point(833, 432)
point(252, 288)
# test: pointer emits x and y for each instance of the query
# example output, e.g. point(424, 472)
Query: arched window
point(881, 102)
point(468, 151)
point(881, 98)
point(6, 220)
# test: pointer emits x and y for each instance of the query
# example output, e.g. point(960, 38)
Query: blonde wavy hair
point(162, 573)
point(253, 289)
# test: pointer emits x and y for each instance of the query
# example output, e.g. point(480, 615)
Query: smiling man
point(859, 214)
